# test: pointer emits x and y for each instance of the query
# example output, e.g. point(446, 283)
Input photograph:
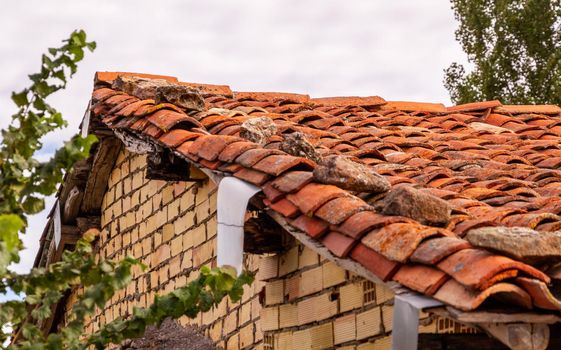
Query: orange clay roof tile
point(494, 164)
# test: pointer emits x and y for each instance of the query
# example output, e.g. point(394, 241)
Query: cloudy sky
point(394, 49)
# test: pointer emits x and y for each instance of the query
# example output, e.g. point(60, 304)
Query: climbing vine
point(24, 183)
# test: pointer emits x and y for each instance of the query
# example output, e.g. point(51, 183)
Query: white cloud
point(396, 49)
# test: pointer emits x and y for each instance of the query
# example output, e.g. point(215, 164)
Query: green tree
point(514, 47)
point(24, 182)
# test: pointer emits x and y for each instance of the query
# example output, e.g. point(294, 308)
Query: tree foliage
point(24, 181)
point(514, 47)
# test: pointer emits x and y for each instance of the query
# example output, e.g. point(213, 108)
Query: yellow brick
point(118, 190)
point(307, 257)
point(270, 318)
point(135, 199)
point(255, 308)
point(383, 343)
point(246, 336)
point(173, 210)
point(245, 313)
point(161, 216)
point(110, 195)
point(332, 275)
point(274, 292)
point(187, 261)
point(168, 231)
point(350, 296)
point(199, 234)
point(387, 317)
point(383, 294)
point(186, 201)
point(316, 308)
point(288, 315)
point(187, 240)
point(162, 253)
point(167, 194)
point(175, 266)
point(157, 238)
point(211, 227)
point(115, 177)
point(368, 323)
point(146, 246)
point(311, 281)
point(157, 201)
point(203, 253)
point(283, 341)
point(137, 162)
point(344, 329)
point(137, 180)
point(301, 340)
point(233, 342)
point(176, 245)
point(163, 274)
point(151, 224)
point(321, 336)
point(268, 267)
point(231, 322)
point(202, 211)
point(127, 185)
point(184, 222)
point(126, 238)
point(369, 346)
point(215, 332)
point(288, 262)
point(146, 209)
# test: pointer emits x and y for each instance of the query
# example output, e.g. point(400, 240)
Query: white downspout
point(405, 324)
point(233, 196)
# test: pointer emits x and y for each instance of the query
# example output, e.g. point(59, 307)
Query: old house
point(368, 222)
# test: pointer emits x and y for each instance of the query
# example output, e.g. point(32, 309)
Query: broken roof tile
point(398, 241)
point(433, 250)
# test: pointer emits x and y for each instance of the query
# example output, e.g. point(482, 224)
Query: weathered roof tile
point(493, 164)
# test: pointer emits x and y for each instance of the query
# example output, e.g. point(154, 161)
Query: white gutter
point(405, 324)
point(233, 196)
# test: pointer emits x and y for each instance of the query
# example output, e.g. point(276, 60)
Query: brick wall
point(171, 228)
point(298, 301)
point(310, 303)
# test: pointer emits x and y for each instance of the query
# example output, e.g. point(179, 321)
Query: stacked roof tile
point(496, 165)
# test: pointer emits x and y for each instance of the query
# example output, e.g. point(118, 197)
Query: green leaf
point(20, 99)
point(33, 205)
point(10, 226)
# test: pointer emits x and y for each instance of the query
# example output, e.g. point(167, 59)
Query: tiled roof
point(496, 165)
